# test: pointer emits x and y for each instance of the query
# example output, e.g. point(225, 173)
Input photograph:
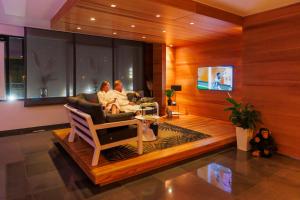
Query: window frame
point(6, 38)
point(31, 102)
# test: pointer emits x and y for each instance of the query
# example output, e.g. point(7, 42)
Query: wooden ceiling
point(181, 21)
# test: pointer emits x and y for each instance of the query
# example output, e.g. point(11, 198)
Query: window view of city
point(12, 80)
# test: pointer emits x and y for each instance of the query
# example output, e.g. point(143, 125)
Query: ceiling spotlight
point(113, 5)
point(158, 15)
point(93, 19)
point(164, 31)
point(191, 23)
point(144, 37)
point(132, 26)
point(171, 45)
point(78, 28)
point(115, 33)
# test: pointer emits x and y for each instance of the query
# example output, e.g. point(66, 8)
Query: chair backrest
point(83, 125)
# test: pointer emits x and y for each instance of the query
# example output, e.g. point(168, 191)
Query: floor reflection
point(34, 167)
point(217, 175)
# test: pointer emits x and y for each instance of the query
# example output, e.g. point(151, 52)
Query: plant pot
point(169, 102)
point(243, 137)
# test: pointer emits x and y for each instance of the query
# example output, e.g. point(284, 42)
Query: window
point(12, 76)
point(129, 64)
point(16, 69)
point(63, 64)
point(49, 63)
point(2, 69)
point(93, 62)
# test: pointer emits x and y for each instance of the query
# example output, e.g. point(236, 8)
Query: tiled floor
point(33, 166)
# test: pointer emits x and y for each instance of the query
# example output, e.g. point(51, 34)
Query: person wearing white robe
point(122, 99)
point(107, 98)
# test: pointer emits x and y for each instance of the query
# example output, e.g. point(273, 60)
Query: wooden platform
point(223, 133)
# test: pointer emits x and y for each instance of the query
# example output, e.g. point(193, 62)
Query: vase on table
point(44, 92)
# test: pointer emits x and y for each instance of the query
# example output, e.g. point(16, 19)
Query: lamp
point(176, 88)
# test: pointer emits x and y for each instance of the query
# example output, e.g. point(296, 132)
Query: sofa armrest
point(117, 124)
point(119, 117)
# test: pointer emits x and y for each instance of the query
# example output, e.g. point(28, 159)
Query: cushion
point(147, 100)
point(132, 97)
point(119, 117)
point(141, 93)
point(73, 101)
point(93, 98)
point(117, 134)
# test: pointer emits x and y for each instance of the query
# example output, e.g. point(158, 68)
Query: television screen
point(215, 78)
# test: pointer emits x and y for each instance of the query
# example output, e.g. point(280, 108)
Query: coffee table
point(143, 110)
point(148, 134)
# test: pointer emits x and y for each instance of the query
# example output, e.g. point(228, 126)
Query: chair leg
point(157, 108)
point(140, 138)
point(71, 135)
point(96, 156)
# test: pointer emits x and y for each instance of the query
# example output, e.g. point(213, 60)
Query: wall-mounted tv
point(215, 78)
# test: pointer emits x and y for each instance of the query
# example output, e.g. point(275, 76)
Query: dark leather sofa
point(89, 104)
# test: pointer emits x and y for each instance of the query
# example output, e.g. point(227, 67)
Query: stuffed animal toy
point(263, 144)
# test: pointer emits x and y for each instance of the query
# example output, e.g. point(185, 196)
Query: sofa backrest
point(95, 110)
point(93, 98)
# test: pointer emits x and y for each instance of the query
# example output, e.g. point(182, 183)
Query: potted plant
point(95, 72)
point(245, 118)
point(169, 94)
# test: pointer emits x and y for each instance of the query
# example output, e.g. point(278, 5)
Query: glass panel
point(16, 71)
point(49, 63)
point(93, 62)
point(2, 71)
point(129, 64)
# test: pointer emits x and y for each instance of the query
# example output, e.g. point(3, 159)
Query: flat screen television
point(215, 78)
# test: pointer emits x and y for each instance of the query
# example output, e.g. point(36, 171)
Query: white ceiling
point(247, 7)
point(31, 13)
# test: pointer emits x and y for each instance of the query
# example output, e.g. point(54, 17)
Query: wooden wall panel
point(170, 67)
point(159, 75)
point(271, 63)
point(224, 51)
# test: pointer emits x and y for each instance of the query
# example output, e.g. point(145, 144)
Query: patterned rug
point(169, 135)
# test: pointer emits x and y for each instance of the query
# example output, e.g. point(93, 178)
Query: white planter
point(243, 137)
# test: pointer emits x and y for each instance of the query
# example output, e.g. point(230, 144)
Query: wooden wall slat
point(271, 67)
point(224, 51)
point(159, 75)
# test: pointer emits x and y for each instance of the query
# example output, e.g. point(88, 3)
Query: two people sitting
point(116, 100)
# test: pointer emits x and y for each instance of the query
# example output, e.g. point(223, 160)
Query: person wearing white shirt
point(122, 99)
point(107, 98)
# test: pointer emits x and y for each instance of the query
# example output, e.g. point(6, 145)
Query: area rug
point(169, 135)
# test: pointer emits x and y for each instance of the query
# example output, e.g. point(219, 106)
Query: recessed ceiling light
point(93, 19)
point(157, 15)
point(78, 28)
point(113, 5)
point(191, 23)
point(132, 26)
point(171, 45)
point(115, 33)
point(164, 31)
point(144, 37)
